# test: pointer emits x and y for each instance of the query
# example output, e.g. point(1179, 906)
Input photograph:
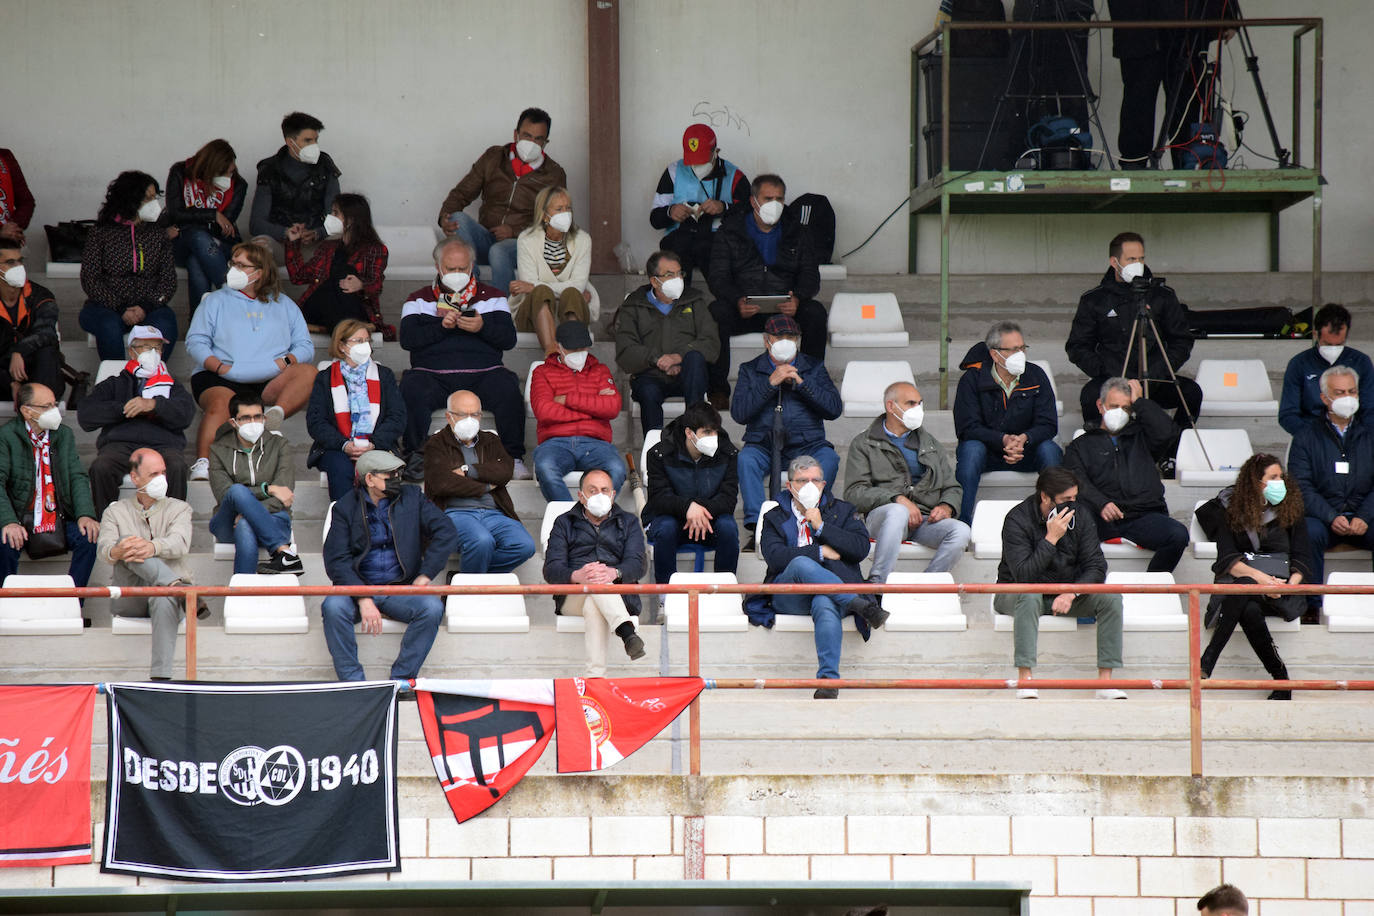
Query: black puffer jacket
point(676, 481)
point(1123, 472)
point(37, 329)
point(737, 269)
point(1102, 327)
point(574, 542)
point(1028, 557)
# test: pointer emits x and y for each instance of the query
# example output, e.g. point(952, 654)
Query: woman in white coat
point(553, 264)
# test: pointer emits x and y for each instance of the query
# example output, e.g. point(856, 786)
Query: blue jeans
point(753, 465)
point(242, 521)
point(651, 389)
point(826, 611)
point(499, 255)
point(109, 329)
point(667, 535)
point(82, 551)
point(1320, 537)
point(205, 255)
point(489, 541)
point(974, 457)
point(420, 613)
point(555, 457)
point(338, 471)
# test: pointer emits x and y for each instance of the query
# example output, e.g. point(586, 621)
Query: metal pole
point(191, 635)
point(944, 296)
point(1195, 683)
point(1318, 58)
point(694, 669)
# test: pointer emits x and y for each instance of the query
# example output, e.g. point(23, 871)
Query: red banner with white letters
point(45, 775)
point(600, 722)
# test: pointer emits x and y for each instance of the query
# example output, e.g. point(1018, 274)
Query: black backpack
point(817, 220)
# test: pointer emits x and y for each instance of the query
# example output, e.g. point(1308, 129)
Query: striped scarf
point(354, 424)
point(156, 384)
point(44, 505)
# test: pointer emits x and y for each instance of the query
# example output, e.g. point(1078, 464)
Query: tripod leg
point(1183, 402)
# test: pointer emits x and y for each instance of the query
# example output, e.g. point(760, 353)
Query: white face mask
point(1016, 363)
point(599, 505)
point(236, 278)
point(148, 360)
point(672, 288)
point(309, 154)
point(467, 429)
point(576, 360)
point(456, 280)
point(223, 182)
point(360, 353)
point(251, 432)
point(913, 417)
point(770, 212)
point(528, 151)
point(1132, 271)
point(333, 226)
point(783, 350)
point(809, 495)
point(1330, 353)
point(707, 445)
point(1115, 419)
point(561, 222)
point(705, 169)
point(49, 419)
point(1345, 407)
point(156, 488)
point(150, 210)
point(16, 276)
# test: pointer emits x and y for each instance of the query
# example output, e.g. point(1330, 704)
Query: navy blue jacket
point(982, 410)
point(841, 528)
point(1301, 401)
point(423, 536)
point(805, 407)
point(324, 429)
point(574, 542)
point(1312, 461)
point(433, 346)
point(676, 481)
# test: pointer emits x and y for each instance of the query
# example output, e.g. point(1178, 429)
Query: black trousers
point(691, 242)
point(1249, 613)
point(497, 388)
point(1141, 81)
point(811, 315)
point(43, 366)
point(112, 463)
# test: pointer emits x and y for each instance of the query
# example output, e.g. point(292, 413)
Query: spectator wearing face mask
point(693, 195)
point(30, 348)
point(1118, 478)
point(1301, 401)
point(128, 271)
point(666, 339)
point(1004, 412)
point(296, 185)
point(762, 263)
point(205, 195)
point(252, 479)
point(507, 178)
point(345, 274)
point(574, 400)
point(782, 399)
point(554, 260)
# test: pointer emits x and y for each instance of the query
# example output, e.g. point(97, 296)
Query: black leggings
point(1249, 613)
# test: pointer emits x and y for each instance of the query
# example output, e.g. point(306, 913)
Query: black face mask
point(392, 488)
point(1061, 508)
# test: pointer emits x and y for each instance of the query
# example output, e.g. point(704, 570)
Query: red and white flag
point(601, 722)
point(45, 775)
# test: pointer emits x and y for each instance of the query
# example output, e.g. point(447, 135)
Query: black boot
point(1277, 671)
point(634, 646)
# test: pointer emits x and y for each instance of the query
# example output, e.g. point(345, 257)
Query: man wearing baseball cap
point(783, 398)
point(692, 196)
point(384, 533)
point(141, 406)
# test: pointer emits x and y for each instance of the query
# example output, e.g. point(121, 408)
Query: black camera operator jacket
point(1102, 329)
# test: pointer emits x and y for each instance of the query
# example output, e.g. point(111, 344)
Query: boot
point(634, 646)
point(1277, 670)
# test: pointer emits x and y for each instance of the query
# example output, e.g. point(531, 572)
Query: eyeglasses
point(1021, 349)
point(672, 275)
point(251, 418)
point(806, 480)
point(461, 415)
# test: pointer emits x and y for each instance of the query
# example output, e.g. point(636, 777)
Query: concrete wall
point(412, 91)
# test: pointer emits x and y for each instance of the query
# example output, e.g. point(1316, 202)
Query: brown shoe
point(719, 399)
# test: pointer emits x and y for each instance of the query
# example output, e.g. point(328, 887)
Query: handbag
point(43, 544)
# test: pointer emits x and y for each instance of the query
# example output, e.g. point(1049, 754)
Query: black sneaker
point(283, 561)
point(634, 646)
point(1166, 468)
point(749, 546)
point(871, 611)
point(826, 693)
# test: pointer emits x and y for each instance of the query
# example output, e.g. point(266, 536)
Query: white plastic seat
point(1227, 449)
point(1126, 550)
point(909, 550)
point(988, 516)
point(1235, 388)
point(410, 250)
point(40, 616)
point(923, 613)
point(108, 368)
point(226, 551)
point(1203, 549)
point(551, 512)
point(1007, 479)
point(1153, 613)
point(651, 438)
point(716, 613)
point(866, 380)
point(138, 626)
point(1349, 613)
point(486, 613)
point(264, 613)
point(866, 320)
point(1049, 372)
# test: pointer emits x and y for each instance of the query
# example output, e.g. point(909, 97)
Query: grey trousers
point(165, 612)
point(888, 525)
point(1026, 611)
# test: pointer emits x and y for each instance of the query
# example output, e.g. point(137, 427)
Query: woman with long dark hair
point(1263, 540)
point(127, 269)
point(205, 196)
point(345, 273)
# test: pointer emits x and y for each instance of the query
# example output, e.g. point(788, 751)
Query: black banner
point(251, 782)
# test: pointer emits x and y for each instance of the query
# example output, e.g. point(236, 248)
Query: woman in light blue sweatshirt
point(248, 336)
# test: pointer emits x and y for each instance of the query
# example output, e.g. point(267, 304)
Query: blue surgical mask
point(1274, 492)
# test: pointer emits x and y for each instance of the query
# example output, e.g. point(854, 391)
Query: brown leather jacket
point(493, 468)
point(505, 199)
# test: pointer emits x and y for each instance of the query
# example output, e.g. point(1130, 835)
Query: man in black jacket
point(763, 251)
point(29, 347)
point(813, 538)
point(1118, 479)
point(296, 185)
point(1101, 333)
point(384, 533)
point(693, 488)
point(1045, 539)
point(141, 407)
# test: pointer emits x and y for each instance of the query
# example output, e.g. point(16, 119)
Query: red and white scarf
point(6, 192)
point(44, 505)
point(201, 195)
point(156, 384)
point(459, 299)
point(338, 393)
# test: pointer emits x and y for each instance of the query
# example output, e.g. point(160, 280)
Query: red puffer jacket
point(592, 399)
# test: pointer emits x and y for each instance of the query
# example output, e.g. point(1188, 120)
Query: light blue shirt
point(249, 335)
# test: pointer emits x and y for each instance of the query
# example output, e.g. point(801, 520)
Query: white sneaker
point(1027, 693)
point(201, 469)
point(274, 418)
point(1111, 693)
point(520, 472)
